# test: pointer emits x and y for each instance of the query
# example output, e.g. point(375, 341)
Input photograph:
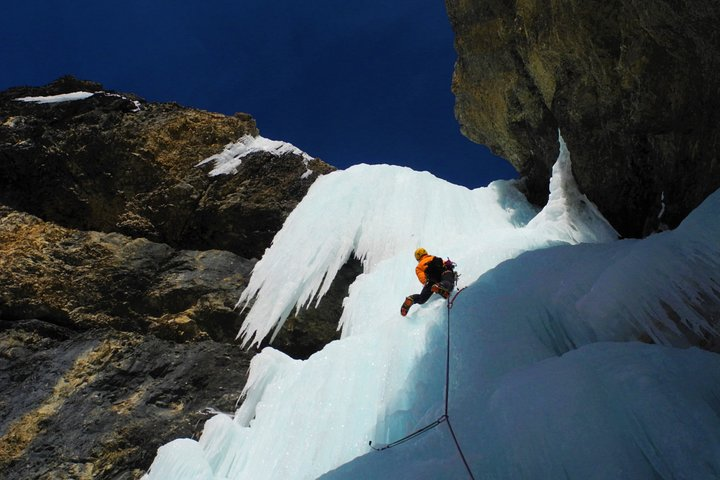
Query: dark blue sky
point(365, 81)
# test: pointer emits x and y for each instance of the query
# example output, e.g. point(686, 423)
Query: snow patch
point(137, 104)
point(73, 97)
point(64, 97)
point(227, 161)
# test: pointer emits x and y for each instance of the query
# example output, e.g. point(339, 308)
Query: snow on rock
point(75, 96)
point(64, 97)
point(227, 161)
point(138, 105)
point(547, 379)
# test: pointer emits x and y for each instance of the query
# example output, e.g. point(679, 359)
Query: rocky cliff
point(114, 163)
point(631, 85)
point(121, 260)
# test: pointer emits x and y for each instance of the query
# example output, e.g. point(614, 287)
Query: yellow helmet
point(419, 253)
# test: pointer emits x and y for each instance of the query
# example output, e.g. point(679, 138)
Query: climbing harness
point(444, 418)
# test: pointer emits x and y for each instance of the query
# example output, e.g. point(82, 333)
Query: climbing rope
point(444, 418)
point(412, 435)
point(452, 301)
point(447, 386)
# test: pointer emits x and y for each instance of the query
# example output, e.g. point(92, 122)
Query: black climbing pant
point(447, 282)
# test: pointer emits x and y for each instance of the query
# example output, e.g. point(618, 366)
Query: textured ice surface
point(547, 379)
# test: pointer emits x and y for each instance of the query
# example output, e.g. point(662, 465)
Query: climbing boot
point(406, 306)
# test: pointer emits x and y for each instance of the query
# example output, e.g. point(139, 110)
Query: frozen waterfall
point(549, 377)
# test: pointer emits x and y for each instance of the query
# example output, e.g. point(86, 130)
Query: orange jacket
point(422, 267)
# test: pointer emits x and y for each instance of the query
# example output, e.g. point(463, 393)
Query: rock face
point(98, 404)
point(631, 85)
point(115, 163)
point(87, 280)
point(121, 261)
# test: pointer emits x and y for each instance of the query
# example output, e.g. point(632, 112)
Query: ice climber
point(436, 275)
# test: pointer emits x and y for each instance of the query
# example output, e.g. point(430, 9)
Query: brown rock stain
point(22, 432)
point(179, 141)
point(126, 406)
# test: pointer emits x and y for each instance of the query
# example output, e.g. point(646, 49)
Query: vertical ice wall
point(383, 379)
point(549, 380)
point(380, 214)
point(383, 213)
